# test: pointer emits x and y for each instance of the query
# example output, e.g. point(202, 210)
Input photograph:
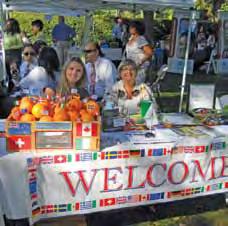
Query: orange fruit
point(86, 117)
point(26, 105)
point(40, 110)
point(82, 111)
point(46, 118)
point(61, 115)
point(57, 108)
point(92, 107)
point(15, 113)
point(27, 118)
point(74, 116)
point(74, 104)
point(45, 102)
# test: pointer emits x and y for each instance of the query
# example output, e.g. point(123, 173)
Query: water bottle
point(109, 103)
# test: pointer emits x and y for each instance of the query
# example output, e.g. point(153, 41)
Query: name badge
point(74, 91)
point(117, 122)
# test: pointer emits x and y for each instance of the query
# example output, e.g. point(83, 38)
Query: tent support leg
point(193, 14)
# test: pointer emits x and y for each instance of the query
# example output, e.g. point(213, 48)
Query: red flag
point(94, 129)
point(79, 129)
point(60, 158)
point(123, 154)
point(49, 208)
point(199, 149)
point(226, 185)
point(108, 202)
point(17, 143)
point(36, 211)
point(143, 198)
point(34, 196)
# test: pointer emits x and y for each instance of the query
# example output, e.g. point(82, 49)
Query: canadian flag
point(87, 129)
point(17, 143)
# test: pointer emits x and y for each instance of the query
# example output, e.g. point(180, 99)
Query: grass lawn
point(214, 218)
point(170, 97)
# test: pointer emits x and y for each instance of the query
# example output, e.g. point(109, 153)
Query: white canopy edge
point(80, 7)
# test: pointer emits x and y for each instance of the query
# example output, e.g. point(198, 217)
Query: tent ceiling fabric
point(76, 7)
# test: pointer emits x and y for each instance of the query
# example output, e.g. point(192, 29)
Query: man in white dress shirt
point(101, 72)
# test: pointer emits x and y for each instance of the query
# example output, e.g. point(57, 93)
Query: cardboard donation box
point(87, 135)
point(52, 136)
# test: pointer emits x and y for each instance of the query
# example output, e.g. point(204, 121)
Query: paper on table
point(222, 129)
point(177, 119)
point(161, 135)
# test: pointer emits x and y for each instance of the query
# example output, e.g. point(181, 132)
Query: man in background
point(62, 34)
point(117, 31)
point(101, 72)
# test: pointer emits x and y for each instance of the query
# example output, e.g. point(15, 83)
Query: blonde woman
point(73, 78)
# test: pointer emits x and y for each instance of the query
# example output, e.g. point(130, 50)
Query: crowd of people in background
point(38, 69)
point(203, 41)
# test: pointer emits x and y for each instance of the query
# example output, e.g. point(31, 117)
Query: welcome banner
point(86, 182)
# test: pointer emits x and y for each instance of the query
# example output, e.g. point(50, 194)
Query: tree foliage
point(103, 20)
point(102, 23)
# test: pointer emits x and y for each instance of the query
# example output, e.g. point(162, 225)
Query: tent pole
point(87, 29)
point(3, 14)
point(193, 14)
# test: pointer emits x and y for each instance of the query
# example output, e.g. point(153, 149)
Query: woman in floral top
point(126, 93)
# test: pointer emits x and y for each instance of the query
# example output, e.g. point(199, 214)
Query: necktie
point(27, 70)
point(92, 79)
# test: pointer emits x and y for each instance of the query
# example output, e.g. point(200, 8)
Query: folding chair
point(223, 102)
point(212, 62)
point(156, 84)
point(201, 96)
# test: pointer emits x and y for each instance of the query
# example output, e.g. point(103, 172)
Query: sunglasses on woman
point(29, 53)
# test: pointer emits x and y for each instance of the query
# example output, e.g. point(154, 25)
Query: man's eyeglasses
point(29, 53)
point(89, 50)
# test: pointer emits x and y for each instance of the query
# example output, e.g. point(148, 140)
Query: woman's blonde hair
point(64, 87)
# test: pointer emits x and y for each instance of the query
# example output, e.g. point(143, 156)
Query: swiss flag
point(17, 143)
point(108, 202)
point(60, 158)
point(199, 149)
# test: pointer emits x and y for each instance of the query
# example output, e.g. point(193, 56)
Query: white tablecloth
point(14, 202)
point(13, 199)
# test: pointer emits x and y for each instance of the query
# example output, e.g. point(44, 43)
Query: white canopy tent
point(82, 7)
point(69, 7)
